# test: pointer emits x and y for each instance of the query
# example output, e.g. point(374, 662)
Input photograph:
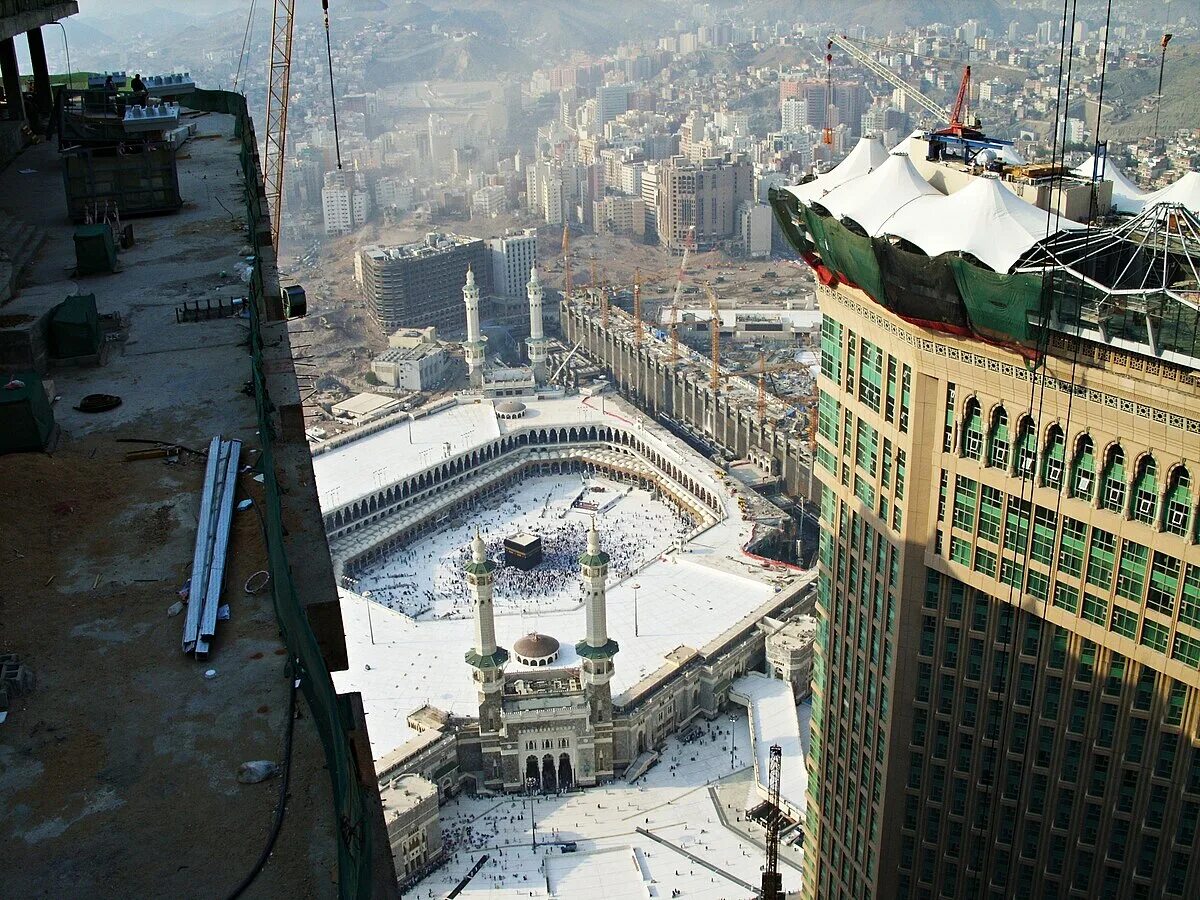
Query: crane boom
point(279, 79)
point(878, 68)
point(772, 882)
point(714, 328)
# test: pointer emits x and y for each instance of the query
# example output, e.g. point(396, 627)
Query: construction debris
point(212, 541)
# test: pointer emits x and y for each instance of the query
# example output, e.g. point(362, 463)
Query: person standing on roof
point(138, 87)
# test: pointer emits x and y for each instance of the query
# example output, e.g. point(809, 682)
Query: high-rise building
point(511, 257)
point(611, 101)
point(345, 203)
point(704, 196)
point(794, 114)
point(420, 284)
point(1007, 678)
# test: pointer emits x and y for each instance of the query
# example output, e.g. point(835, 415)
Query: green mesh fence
point(330, 714)
point(856, 259)
point(999, 306)
point(787, 213)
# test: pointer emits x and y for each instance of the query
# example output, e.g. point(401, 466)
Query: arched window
point(1145, 491)
point(1083, 468)
point(998, 440)
point(1056, 451)
point(1177, 513)
point(1112, 490)
point(1026, 447)
point(972, 440)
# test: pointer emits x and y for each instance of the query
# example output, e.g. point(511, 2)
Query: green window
point(960, 551)
point(999, 446)
point(985, 562)
point(885, 471)
point(1155, 635)
point(1070, 550)
point(966, 491)
point(1178, 510)
point(948, 429)
point(1176, 701)
point(827, 418)
point(864, 491)
point(1011, 573)
point(826, 460)
point(1056, 449)
point(851, 361)
point(1066, 597)
point(866, 454)
point(1189, 603)
point(1187, 650)
point(1037, 584)
point(1112, 492)
point(1145, 492)
point(1123, 622)
point(870, 384)
point(901, 464)
point(1095, 609)
point(890, 401)
point(1016, 525)
point(1026, 448)
point(1101, 553)
point(905, 397)
point(990, 503)
point(972, 442)
point(1131, 571)
point(1083, 469)
point(1045, 524)
point(1164, 581)
point(1116, 676)
point(831, 348)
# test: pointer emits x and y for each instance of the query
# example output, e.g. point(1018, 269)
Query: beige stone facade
point(1006, 672)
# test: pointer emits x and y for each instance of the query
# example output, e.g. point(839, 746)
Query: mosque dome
point(510, 409)
point(536, 649)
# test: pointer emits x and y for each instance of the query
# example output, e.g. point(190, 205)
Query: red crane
point(827, 131)
point(958, 127)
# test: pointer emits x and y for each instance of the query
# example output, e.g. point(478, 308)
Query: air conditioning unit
point(1084, 483)
point(1177, 517)
point(1145, 506)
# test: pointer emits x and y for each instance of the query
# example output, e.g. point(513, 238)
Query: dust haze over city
point(625, 449)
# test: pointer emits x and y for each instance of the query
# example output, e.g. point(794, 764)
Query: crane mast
point(279, 77)
point(772, 881)
point(637, 308)
point(714, 327)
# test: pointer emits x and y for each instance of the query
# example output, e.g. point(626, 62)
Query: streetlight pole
point(635, 586)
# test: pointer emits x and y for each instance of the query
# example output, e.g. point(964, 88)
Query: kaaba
point(523, 550)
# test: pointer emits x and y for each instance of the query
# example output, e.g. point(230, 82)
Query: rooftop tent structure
point(872, 199)
point(868, 154)
point(1127, 196)
point(1185, 192)
point(983, 219)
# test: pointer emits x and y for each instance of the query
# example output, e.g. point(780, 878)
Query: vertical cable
point(337, 144)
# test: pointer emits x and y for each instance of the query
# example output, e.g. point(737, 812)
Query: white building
point(414, 825)
point(489, 202)
point(754, 221)
point(418, 368)
point(794, 112)
point(619, 215)
point(345, 203)
point(395, 193)
point(611, 101)
point(511, 258)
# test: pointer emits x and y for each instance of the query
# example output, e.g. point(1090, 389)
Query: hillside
point(1131, 114)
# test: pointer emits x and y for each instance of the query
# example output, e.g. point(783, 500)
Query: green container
point(75, 327)
point(95, 250)
point(26, 419)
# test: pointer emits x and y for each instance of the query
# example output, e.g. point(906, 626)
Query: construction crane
point(1162, 67)
point(827, 131)
point(566, 255)
point(714, 338)
point(688, 243)
point(936, 110)
point(279, 77)
point(772, 881)
point(637, 308)
point(762, 369)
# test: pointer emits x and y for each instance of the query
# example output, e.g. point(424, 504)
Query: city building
point(419, 368)
point(345, 203)
point(418, 284)
point(395, 193)
point(790, 653)
point(489, 201)
point(414, 828)
point(794, 114)
point(511, 256)
point(1005, 686)
point(703, 196)
point(616, 214)
point(611, 101)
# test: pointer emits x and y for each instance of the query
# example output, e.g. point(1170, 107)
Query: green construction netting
point(999, 306)
point(26, 419)
point(920, 287)
point(75, 327)
point(816, 227)
point(857, 260)
point(787, 211)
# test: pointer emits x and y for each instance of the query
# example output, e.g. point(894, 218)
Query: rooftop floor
point(118, 774)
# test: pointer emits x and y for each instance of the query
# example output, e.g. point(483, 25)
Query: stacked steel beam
point(212, 542)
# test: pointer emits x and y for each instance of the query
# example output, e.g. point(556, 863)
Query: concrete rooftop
point(118, 774)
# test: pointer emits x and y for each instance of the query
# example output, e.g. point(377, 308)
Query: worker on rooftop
point(139, 90)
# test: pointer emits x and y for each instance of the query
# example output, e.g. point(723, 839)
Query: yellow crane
point(762, 369)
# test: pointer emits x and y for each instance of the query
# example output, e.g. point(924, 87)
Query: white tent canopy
point(1127, 197)
point(983, 219)
point(871, 199)
point(868, 154)
point(1185, 191)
